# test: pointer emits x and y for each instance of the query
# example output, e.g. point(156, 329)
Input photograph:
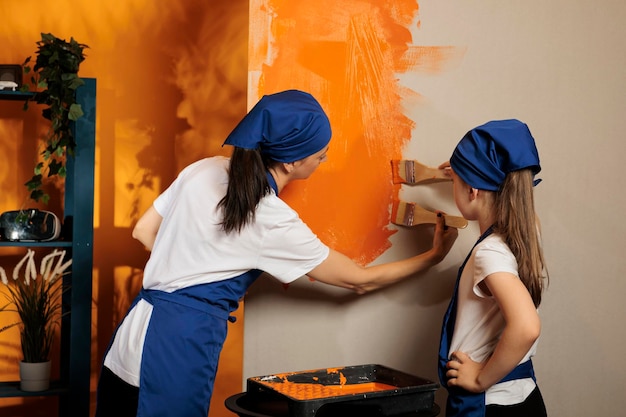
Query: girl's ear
point(473, 193)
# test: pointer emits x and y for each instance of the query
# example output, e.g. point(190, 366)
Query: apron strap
point(153, 296)
point(522, 371)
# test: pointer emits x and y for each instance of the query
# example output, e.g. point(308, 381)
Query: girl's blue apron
point(183, 342)
point(461, 402)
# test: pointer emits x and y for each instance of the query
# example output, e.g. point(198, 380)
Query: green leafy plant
point(36, 297)
point(54, 77)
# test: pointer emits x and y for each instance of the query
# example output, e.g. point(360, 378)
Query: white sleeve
point(291, 250)
point(492, 256)
point(165, 200)
point(162, 202)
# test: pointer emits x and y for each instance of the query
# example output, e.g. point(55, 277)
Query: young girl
point(491, 327)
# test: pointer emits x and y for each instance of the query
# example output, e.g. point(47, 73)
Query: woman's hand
point(445, 167)
point(443, 238)
point(463, 372)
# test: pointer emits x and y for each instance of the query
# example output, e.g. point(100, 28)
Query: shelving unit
point(77, 239)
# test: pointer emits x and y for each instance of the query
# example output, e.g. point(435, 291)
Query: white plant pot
point(34, 376)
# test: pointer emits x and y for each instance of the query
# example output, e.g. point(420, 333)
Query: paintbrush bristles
point(406, 171)
point(404, 213)
point(412, 172)
point(397, 170)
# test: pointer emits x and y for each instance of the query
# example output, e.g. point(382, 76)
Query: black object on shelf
point(30, 225)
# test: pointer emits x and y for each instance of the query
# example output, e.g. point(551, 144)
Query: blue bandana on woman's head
point(487, 153)
point(286, 126)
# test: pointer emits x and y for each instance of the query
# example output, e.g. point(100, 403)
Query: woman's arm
point(147, 227)
point(521, 330)
point(341, 271)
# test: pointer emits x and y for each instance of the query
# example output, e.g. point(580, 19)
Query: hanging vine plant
point(54, 77)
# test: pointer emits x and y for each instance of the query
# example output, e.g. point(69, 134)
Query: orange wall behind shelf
point(171, 83)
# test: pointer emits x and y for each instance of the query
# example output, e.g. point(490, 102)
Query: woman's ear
point(289, 167)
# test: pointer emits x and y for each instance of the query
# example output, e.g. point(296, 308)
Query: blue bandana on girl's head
point(286, 126)
point(487, 153)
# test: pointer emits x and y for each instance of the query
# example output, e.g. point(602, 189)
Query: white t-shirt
point(191, 249)
point(479, 321)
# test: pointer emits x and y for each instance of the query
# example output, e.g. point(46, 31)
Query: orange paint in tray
point(305, 392)
point(312, 391)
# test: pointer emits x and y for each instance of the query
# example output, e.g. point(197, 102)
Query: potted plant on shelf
point(36, 297)
point(55, 80)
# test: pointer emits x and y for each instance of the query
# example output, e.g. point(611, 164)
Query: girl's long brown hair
point(247, 185)
point(516, 222)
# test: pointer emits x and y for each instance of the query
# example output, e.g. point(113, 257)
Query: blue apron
point(462, 402)
point(183, 342)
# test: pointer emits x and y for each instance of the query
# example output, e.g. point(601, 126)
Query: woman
point(212, 233)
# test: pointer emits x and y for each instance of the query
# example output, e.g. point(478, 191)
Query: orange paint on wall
point(347, 54)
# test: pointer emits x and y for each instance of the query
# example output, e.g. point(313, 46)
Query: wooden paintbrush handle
point(455, 221)
point(430, 173)
point(451, 221)
point(411, 214)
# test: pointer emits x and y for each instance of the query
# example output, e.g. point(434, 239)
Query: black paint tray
point(396, 393)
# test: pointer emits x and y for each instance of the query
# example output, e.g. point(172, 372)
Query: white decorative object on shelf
point(8, 84)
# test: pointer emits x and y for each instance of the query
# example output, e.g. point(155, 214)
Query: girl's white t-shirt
point(479, 321)
point(191, 249)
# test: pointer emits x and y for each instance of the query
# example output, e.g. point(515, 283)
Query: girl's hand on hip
point(463, 372)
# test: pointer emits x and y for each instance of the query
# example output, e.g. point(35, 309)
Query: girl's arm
point(520, 332)
point(341, 271)
point(147, 227)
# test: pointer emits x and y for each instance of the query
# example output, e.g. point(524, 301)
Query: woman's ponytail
point(247, 185)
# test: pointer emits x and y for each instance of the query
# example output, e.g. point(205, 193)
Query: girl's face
point(305, 167)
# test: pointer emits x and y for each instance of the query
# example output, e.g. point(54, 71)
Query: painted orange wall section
point(348, 55)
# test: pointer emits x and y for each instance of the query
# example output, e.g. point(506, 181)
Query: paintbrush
point(412, 172)
point(410, 214)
